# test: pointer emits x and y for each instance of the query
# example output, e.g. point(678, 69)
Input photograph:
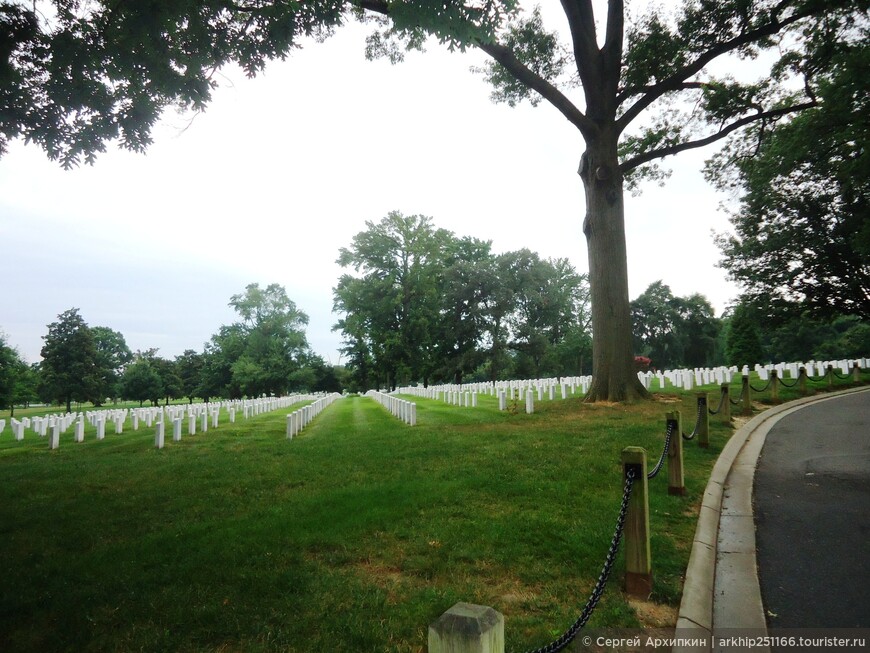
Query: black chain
point(841, 376)
point(701, 404)
point(761, 389)
point(790, 385)
point(658, 467)
point(598, 590)
point(721, 403)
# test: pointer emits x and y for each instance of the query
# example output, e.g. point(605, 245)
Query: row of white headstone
point(300, 418)
point(157, 417)
point(813, 368)
point(400, 408)
point(687, 379)
point(523, 390)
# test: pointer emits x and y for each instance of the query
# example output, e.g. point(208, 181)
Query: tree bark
point(613, 374)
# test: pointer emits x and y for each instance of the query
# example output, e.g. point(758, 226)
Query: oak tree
point(69, 369)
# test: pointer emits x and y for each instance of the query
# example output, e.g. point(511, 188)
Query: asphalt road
point(812, 516)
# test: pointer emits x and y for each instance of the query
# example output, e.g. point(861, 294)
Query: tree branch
point(613, 44)
point(537, 83)
point(662, 152)
point(581, 22)
point(675, 81)
point(519, 70)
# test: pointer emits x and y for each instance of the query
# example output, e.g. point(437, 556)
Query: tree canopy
point(263, 353)
point(674, 331)
point(75, 75)
point(426, 305)
point(69, 367)
point(801, 241)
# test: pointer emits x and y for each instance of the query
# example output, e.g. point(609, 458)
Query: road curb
point(697, 606)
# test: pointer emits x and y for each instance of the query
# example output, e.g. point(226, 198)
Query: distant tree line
point(265, 353)
point(425, 306)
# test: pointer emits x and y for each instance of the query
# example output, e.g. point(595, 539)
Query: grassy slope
point(352, 537)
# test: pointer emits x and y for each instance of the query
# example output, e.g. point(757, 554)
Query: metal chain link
point(789, 385)
point(598, 590)
point(754, 389)
point(697, 422)
point(841, 376)
point(658, 467)
point(721, 403)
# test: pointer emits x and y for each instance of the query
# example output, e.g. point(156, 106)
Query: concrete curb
point(726, 533)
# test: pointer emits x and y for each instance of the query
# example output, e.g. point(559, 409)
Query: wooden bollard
point(802, 380)
point(745, 397)
point(676, 482)
point(829, 373)
point(856, 372)
point(703, 421)
point(467, 628)
point(725, 410)
point(774, 386)
point(638, 560)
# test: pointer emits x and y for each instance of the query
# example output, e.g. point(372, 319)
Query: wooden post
point(829, 372)
point(676, 482)
point(725, 411)
point(856, 372)
point(745, 398)
point(638, 561)
point(467, 628)
point(774, 386)
point(704, 421)
point(802, 380)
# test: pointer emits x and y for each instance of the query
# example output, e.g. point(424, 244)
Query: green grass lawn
point(352, 537)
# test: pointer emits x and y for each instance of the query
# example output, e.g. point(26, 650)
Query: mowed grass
point(352, 537)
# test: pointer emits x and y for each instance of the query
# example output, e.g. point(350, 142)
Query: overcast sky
point(281, 171)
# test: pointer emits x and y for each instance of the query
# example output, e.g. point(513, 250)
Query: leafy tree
point(851, 339)
point(801, 242)
point(219, 354)
point(189, 369)
point(700, 329)
point(743, 340)
point(112, 355)
point(141, 381)
point(105, 70)
point(400, 259)
point(499, 305)
point(14, 374)
point(170, 381)
point(461, 323)
point(549, 295)
point(273, 342)
point(70, 369)
point(675, 331)
point(262, 354)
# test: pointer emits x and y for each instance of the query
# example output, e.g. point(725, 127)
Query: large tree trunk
point(613, 375)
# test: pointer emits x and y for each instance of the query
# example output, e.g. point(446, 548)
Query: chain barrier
point(721, 403)
point(734, 402)
point(767, 385)
point(842, 377)
point(697, 428)
point(661, 461)
point(789, 385)
point(598, 590)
